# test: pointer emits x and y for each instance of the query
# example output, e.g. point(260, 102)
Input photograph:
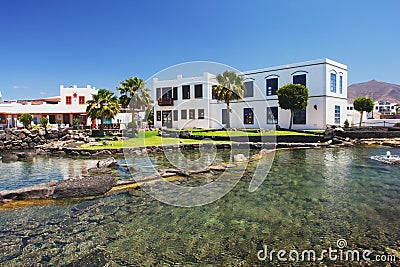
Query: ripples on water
point(310, 199)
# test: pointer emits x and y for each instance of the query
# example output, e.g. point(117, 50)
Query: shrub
point(44, 121)
point(346, 123)
point(26, 119)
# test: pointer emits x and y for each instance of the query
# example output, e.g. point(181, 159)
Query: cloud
point(20, 87)
point(43, 93)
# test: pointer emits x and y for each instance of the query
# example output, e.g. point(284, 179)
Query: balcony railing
point(165, 102)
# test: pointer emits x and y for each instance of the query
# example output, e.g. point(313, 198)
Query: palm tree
point(104, 105)
point(134, 95)
point(230, 88)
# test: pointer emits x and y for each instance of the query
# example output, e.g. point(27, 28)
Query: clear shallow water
point(310, 199)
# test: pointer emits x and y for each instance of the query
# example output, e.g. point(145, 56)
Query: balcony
point(165, 101)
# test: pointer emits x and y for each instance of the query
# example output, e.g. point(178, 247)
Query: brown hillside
point(377, 90)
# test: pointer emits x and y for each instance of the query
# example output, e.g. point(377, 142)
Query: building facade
point(69, 105)
point(188, 102)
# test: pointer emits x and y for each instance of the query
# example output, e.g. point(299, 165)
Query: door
point(66, 119)
point(167, 118)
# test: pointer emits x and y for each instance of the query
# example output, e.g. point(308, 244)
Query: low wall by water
point(20, 139)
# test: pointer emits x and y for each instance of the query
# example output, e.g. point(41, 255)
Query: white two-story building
point(188, 102)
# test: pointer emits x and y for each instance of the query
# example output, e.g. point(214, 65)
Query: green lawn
point(249, 133)
point(148, 138)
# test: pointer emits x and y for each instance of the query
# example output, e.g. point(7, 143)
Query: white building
point(69, 105)
point(188, 102)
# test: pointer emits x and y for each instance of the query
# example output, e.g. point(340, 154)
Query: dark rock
point(40, 191)
point(88, 186)
point(9, 157)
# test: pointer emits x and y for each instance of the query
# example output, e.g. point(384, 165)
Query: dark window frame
point(249, 89)
point(175, 93)
point(224, 116)
point(248, 116)
point(175, 115)
point(192, 114)
point(300, 79)
point(300, 117)
point(333, 82)
point(337, 114)
point(158, 115)
point(185, 91)
point(272, 115)
point(272, 83)
point(183, 114)
point(199, 111)
point(198, 91)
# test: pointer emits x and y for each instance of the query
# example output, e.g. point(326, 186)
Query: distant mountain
point(377, 90)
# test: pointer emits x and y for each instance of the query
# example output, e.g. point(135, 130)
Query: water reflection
point(310, 199)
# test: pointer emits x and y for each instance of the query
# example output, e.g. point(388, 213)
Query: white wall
point(317, 81)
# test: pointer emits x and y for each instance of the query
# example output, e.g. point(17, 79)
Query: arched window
point(299, 77)
point(271, 84)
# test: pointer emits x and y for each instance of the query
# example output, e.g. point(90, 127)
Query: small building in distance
point(70, 104)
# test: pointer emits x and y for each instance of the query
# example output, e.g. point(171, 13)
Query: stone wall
point(19, 139)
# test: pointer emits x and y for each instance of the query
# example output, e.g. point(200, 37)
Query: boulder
point(84, 187)
point(107, 163)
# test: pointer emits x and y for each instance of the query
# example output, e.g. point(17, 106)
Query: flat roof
point(298, 65)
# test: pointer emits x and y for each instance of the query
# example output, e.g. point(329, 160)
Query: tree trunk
point(361, 117)
point(228, 115)
point(102, 126)
point(291, 119)
point(134, 130)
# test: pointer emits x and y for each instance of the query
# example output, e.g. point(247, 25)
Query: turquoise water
point(310, 199)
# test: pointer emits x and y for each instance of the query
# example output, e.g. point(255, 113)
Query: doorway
point(167, 119)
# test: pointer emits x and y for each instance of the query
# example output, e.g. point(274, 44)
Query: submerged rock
point(9, 157)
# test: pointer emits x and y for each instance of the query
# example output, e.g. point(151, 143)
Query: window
point(200, 114)
point(272, 115)
point(175, 93)
point(158, 93)
point(300, 79)
point(249, 89)
point(175, 115)
point(248, 116)
point(186, 92)
point(213, 91)
point(333, 82)
point(337, 115)
point(341, 84)
point(2, 119)
point(299, 117)
point(198, 91)
point(167, 92)
point(224, 116)
point(272, 86)
point(68, 100)
point(183, 114)
point(82, 100)
point(158, 115)
point(52, 119)
point(191, 114)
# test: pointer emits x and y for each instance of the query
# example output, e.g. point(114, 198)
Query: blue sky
point(45, 43)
